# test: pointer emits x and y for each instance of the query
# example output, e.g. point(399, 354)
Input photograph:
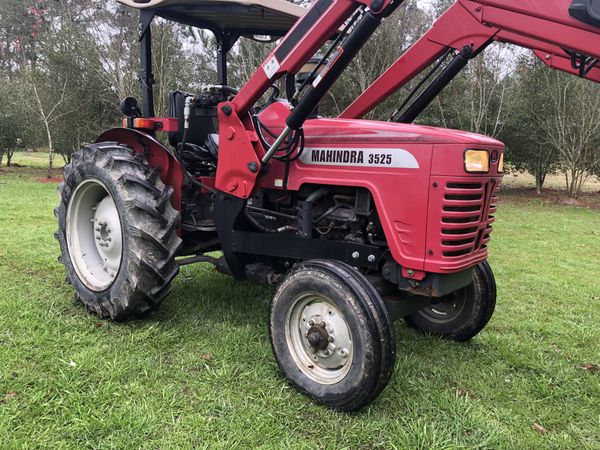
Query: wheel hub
point(317, 337)
point(107, 234)
point(320, 340)
point(447, 308)
point(94, 236)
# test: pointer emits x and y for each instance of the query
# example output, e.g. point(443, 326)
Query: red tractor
point(356, 222)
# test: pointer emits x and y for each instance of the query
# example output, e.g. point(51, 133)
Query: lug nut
point(330, 338)
point(311, 322)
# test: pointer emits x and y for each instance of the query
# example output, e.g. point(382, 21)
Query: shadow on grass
point(203, 299)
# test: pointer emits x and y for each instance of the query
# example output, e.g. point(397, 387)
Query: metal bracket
point(146, 17)
point(582, 63)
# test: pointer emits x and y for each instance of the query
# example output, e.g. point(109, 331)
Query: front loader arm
point(322, 20)
point(242, 156)
point(543, 26)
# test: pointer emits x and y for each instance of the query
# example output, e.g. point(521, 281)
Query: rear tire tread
point(147, 219)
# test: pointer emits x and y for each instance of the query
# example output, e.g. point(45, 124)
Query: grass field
point(36, 159)
point(200, 372)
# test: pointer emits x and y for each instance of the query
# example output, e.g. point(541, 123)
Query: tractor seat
point(587, 11)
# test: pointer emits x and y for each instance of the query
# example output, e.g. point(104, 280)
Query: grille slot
point(473, 208)
point(462, 197)
point(460, 219)
point(460, 230)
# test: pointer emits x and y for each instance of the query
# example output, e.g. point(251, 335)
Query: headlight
point(477, 161)
point(501, 164)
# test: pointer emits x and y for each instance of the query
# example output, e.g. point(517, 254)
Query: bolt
point(253, 167)
point(98, 228)
point(326, 352)
point(548, 56)
point(410, 272)
point(330, 338)
point(435, 185)
point(323, 324)
point(430, 252)
point(355, 255)
point(371, 258)
point(311, 322)
point(97, 238)
point(226, 110)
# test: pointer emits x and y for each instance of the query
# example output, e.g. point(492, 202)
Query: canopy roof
point(241, 17)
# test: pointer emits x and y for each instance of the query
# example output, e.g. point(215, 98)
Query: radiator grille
point(467, 216)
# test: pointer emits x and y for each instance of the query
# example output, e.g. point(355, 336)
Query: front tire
point(463, 314)
point(117, 231)
point(332, 335)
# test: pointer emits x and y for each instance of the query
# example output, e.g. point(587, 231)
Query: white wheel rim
point(325, 366)
point(94, 235)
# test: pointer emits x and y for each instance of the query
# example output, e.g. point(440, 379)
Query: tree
point(528, 148)
point(572, 126)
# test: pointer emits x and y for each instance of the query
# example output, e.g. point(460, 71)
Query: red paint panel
point(236, 150)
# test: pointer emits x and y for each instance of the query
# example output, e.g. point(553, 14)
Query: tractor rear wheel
point(117, 231)
point(332, 335)
point(463, 314)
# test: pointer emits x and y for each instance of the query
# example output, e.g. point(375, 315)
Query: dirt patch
point(590, 200)
point(49, 180)
point(37, 173)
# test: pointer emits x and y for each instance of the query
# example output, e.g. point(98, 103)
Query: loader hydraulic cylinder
point(459, 62)
point(338, 62)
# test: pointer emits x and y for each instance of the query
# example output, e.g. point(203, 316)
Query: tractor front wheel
point(117, 231)
point(463, 314)
point(332, 335)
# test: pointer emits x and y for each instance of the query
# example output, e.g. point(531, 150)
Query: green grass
point(35, 159)
point(200, 372)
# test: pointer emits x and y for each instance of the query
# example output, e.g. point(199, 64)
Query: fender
point(171, 173)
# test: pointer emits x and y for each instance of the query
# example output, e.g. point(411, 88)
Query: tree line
point(65, 65)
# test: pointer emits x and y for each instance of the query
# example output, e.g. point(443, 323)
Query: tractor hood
point(352, 131)
point(368, 131)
